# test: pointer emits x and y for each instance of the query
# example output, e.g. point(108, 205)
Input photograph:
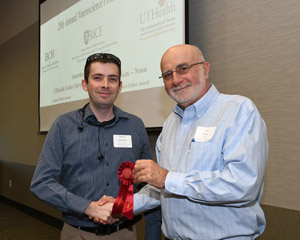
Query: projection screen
point(137, 31)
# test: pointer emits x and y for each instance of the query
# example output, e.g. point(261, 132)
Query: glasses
point(109, 56)
point(180, 70)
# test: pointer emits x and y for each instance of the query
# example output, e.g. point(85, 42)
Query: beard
point(189, 93)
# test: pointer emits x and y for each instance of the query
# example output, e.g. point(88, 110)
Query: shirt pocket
point(204, 156)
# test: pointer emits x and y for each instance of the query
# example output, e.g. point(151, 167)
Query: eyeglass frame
point(107, 57)
point(188, 66)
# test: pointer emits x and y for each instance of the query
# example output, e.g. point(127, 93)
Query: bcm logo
point(49, 55)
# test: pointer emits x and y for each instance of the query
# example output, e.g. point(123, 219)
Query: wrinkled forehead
point(179, 55)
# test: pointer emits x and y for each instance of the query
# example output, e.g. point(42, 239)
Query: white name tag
point(204, 134)
point(122, 141)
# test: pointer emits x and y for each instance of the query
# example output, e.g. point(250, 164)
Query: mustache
point(181, 87)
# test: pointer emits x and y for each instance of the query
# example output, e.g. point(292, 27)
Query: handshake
point(146, 171)
point(101, 211)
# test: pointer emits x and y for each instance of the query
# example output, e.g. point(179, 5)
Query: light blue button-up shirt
point(216, 152)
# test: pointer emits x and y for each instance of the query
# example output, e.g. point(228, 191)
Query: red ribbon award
point(124, 202)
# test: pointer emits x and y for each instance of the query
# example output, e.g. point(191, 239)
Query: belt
point(103, 230)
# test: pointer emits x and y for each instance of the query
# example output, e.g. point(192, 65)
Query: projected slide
point(137, 31)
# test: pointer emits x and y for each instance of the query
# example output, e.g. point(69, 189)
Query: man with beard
point(211, 157)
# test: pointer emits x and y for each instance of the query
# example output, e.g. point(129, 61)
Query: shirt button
point(106, 144)
point(185, 126)
point(107, 184)
point(169, 216)
point(107, 163)
point(172, 188)
point(173, 169)
point(198, 115)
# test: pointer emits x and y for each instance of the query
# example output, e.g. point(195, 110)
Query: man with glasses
point(211, 156)
point(84, 149)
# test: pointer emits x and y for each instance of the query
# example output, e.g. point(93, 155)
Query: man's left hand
point(150, 172)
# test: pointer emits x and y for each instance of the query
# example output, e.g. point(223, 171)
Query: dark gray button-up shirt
point(69, 174)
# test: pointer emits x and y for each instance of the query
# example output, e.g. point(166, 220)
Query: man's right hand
point(101, 212)
point(102, 202)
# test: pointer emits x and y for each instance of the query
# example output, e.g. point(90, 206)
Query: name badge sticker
point(204, 134)
point(122, 141)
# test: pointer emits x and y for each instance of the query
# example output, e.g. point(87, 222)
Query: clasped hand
point(144, 171)
point(101, 211)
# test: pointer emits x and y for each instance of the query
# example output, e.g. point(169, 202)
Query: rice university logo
point(92, 34)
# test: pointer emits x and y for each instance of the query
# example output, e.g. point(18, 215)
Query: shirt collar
point(201, 105)
point(117, 112)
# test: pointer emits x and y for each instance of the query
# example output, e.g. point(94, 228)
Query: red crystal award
point(124, 201)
